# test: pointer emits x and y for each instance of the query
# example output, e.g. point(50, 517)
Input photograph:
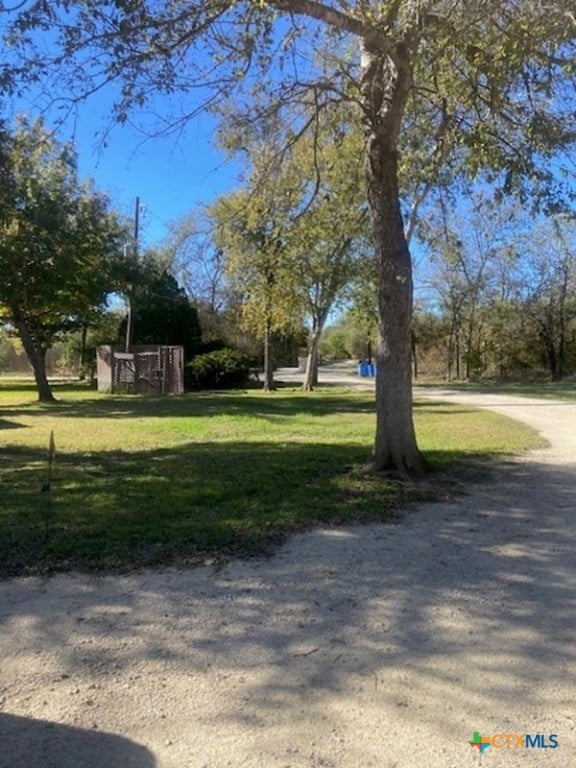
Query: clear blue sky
point(171, 175)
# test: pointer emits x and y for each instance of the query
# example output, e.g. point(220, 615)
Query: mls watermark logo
point(514, 741)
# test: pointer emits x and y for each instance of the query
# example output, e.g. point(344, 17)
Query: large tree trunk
point(395, 443)
point(37, 359)
point(385, 87)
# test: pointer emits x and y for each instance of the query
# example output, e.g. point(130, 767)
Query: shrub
point(212, 345)
point(222, 369)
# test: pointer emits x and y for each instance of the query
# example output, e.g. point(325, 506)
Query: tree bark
point(37, 359)
point(311, 374)
point(395, 442)
point(385, 85)
point(549, 344)
point(318, 322)
point(268, 360)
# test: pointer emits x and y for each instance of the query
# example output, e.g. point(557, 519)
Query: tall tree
point(467, 243)
point(329, 234)
point(497, 74)
point(251, 231)
point(313, 189)
point(59, 243)
point(548, 289)
point(193, 258)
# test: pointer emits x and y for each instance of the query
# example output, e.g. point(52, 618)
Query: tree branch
point(375, 39)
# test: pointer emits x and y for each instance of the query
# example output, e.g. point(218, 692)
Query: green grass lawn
point(147, 481)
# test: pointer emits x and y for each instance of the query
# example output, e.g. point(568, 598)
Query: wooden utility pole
point(135, 246)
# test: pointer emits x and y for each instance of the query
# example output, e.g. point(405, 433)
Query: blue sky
point(171, 175)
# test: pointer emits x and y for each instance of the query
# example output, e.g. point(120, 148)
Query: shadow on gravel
point(481, 589)
point(28, 743)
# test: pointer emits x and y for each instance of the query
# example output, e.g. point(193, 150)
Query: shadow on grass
point(471, 612)
point(201, 404)
point(10, 424)
point(122, 509)
point(322, 402)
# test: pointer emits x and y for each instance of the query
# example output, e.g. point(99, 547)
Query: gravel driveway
point(385, 646)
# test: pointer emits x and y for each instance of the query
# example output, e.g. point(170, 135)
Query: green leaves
point(59, 242)
point(292, 238)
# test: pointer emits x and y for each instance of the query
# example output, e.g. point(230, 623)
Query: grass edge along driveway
point(140, 482)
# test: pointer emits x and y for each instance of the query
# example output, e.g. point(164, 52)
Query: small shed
point(142, 370)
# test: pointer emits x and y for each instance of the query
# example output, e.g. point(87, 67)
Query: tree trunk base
point(47, 399)
point(416, 471)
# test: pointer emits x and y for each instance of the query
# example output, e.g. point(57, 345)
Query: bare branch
point(374, 39)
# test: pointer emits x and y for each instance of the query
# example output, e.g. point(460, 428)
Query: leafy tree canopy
point(60, 243)
point(490, 79)
point(161, 311)
point(458, 85)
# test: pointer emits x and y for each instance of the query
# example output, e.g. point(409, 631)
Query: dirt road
point(385, 646)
